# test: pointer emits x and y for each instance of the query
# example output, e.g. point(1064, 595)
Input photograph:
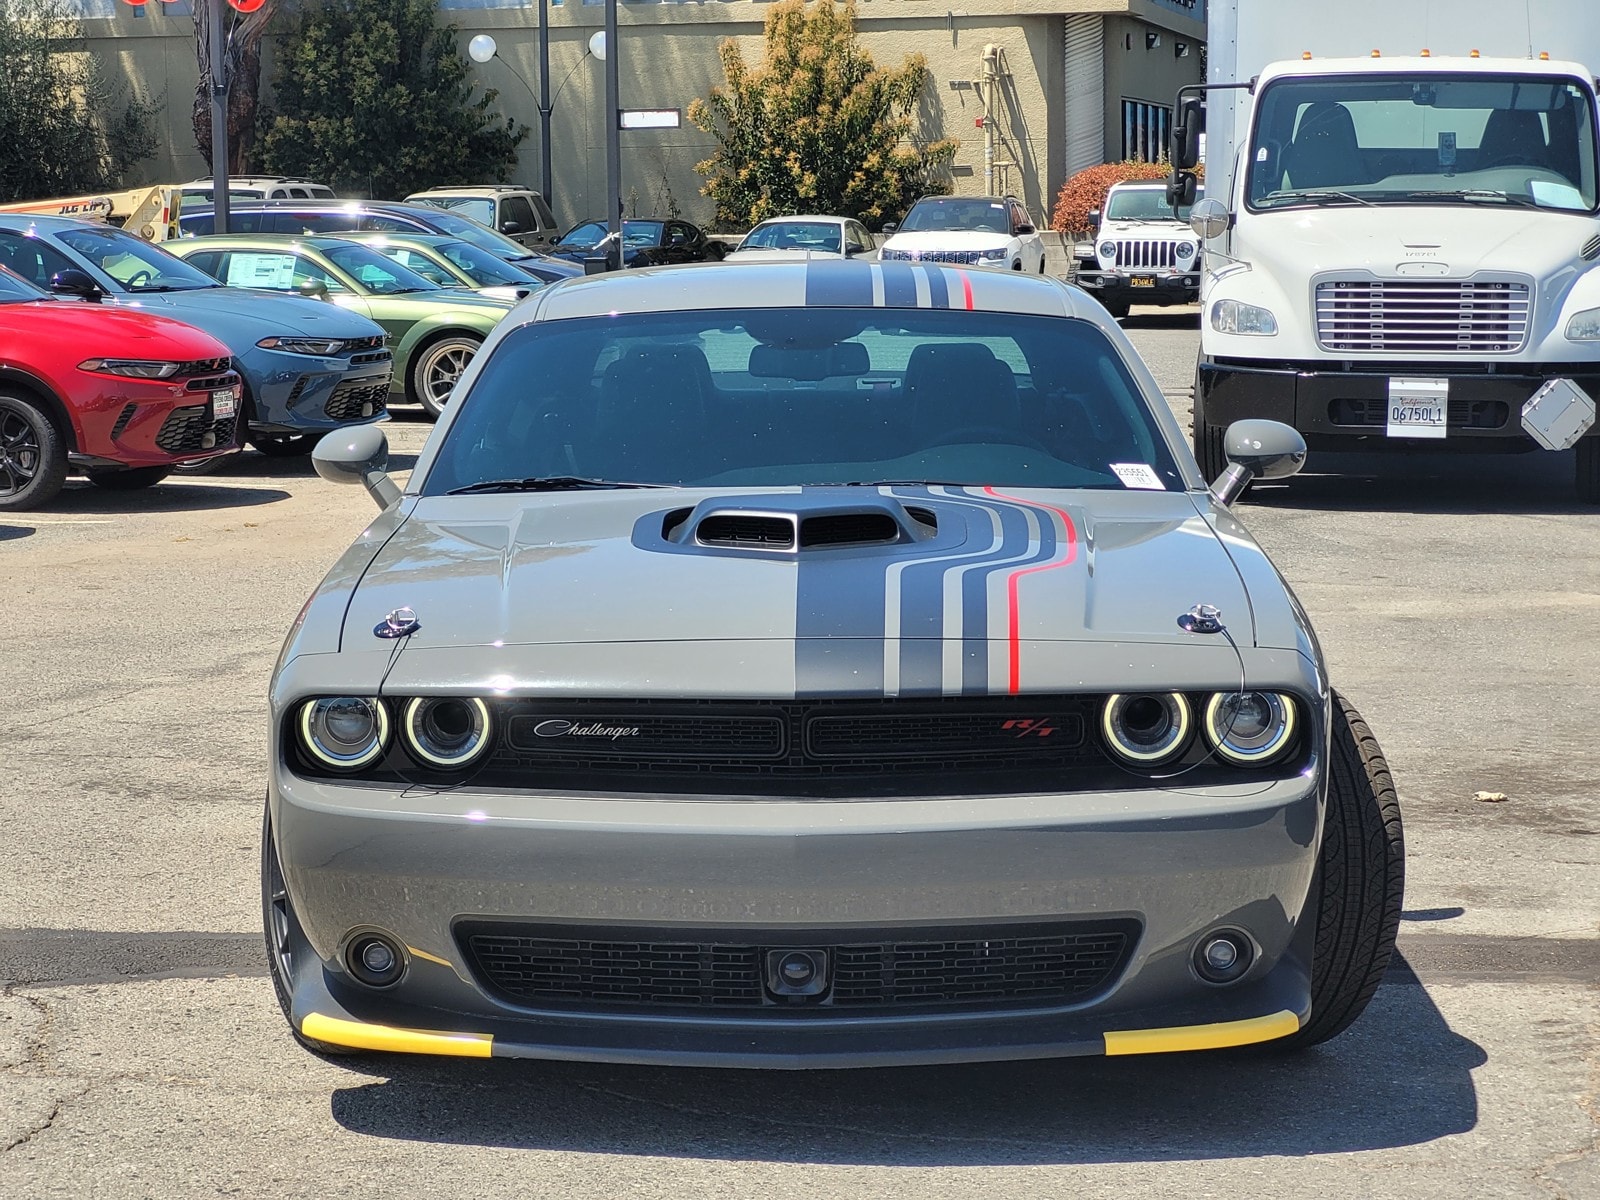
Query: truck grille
point(882, 971)
point(1428, 316)
point(1373, 412)
point(1146, 253)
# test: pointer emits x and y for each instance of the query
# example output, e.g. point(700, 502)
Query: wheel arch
point(58, 412)
point(425, 334)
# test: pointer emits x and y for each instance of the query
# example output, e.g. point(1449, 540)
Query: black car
point(645, 243)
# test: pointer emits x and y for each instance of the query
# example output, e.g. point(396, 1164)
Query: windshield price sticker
point(222, 404)
point(1418, 407)
point(1138, 475)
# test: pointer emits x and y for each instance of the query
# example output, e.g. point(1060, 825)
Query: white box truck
point(1401, 244)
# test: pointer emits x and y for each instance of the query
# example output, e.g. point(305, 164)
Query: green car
point(451, 263)
point(433, 331)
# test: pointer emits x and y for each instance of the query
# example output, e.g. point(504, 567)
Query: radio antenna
point(1527, 17)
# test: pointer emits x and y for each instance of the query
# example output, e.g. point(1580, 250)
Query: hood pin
point(1202, 618)
point(402, 622)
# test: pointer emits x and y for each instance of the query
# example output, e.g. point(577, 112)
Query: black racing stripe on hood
point(838, 285)
point(922, 603)
point(975, 592)
point(938, 290)
point(839, 624)
point(899, 284)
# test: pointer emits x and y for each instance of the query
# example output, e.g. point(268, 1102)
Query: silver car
point(816, 665)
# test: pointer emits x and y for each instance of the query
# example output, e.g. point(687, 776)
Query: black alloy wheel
point(33, 458)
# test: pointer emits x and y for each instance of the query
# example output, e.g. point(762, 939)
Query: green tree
point(372, 96)
point(816, 127)
point(70, 128)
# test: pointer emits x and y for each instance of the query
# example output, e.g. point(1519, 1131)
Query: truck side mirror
point(1094, 218)
point(1258, 449)
point(1186, 131)
point(1182, 188)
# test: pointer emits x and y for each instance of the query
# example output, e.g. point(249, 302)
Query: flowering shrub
point(1087, 190)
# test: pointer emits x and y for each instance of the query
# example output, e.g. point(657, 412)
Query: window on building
point(1145, 130)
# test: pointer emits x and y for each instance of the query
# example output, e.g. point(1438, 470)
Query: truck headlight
point(1249, 728)
point(1185, 250)
point(1584, 326)
point(1235, 316)
point(1108, 249)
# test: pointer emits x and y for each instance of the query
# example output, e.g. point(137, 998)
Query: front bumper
point(1174, 864)
point(1347, 410)
point(1122, 286)
point(300, 394)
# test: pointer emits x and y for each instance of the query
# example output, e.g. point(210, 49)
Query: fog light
point(1223, 956)
point(374, 960)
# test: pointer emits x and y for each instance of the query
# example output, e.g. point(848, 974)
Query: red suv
point(123, 395)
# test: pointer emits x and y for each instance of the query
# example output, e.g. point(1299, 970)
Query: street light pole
point(613, 130)
point(219, 121)
point(545, 172)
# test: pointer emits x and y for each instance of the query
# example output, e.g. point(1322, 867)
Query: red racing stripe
point(1064, 558)
point(966, 287)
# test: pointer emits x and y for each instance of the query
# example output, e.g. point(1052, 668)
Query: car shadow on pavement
point(251, 465)
point(173, 495)
point(10, 533)
point(1158, 318)
point(1398, 1077)
point(1537, 483)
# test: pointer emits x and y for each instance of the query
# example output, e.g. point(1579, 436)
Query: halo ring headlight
point(1249, 728)
point(449, 732)
point(1146, 728)
point(344, 733)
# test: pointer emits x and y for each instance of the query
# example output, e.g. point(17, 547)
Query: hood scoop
point(789, 524)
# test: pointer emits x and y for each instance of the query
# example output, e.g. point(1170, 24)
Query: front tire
point(133, 479)
point(285, 445)
point(436, 368)
point(1361, 880)
point(33, 458)
point(1588, 470)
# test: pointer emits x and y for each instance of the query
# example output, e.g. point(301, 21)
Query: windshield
point(485, 269)
point(14, 289)
point(1144, 204)
point(377, 274)
point(133, 262)
point(1509, 139)
point(634, 233)
point(988, 216)
point(821, 236)
point(775, 397)
point(479, 208)
point(479, 235)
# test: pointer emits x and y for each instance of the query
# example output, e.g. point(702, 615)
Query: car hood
point(948, 239)
point(229, 312)
point(1148, 229)
point(95, 330)
point(976, 583)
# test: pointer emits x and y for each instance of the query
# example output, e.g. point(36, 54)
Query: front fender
point(471, 324)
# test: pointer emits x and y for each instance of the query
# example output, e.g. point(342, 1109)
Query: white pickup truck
point(1143, 251)
point(1402, 249)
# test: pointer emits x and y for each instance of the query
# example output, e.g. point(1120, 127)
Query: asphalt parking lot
point(141, 1053)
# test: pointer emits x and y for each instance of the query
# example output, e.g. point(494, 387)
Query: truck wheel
point(1588, 470)
point(33, 459)
point(132, 479)
point(1361, 880)
point(1208, 445)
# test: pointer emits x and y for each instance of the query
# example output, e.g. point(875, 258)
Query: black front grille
point(363, 345)
point(879, 971)
point(351, 401)
point(204, 366)
point(1373, 411)
point(370, 356)
point(212, 383)
point(186, 430)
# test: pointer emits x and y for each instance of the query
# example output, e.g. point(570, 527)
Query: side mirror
point(1024, 230)
point(1209, 218)
point(1094, 218)
point(75, 282)
point(1186, 131)
point(1257, 449)
point(890, 226)
point(510, 227)
point(1182, 189)
point(313, 289)
point(358, 455)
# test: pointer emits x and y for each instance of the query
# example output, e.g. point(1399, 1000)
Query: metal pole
point(544, 103)
point(613, 130)
point(219, 121)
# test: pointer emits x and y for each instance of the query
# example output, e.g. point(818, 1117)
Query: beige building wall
point(669, 56)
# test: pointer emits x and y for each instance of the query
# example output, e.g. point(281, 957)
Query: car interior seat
point(651, 418)
point(959, 386)
point(1512, 135)
point(1325, 152)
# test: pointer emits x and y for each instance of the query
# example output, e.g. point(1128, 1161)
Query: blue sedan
point(307, 367)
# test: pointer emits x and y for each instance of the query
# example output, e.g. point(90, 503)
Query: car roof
point(817, 283)
point(473, 189)
point(317, 241)
point(394, 235)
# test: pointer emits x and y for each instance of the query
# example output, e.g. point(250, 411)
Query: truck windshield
point(1515, 140)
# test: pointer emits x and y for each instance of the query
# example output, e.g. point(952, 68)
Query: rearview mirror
point(1024, 230)
point(509, 227)
point(358, 455)
point(890, 226)
point(71, 281)
point(1209, 218)
point(1257, 449)
point(313, 289)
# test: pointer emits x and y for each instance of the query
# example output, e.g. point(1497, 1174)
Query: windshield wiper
point(1477, 194)
point(167, 287)
point(547, 483)
point(1319, 196)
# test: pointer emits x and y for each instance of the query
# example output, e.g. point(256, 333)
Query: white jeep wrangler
point(1143, 251)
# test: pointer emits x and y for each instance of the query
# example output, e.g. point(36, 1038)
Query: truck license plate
point(1418, 407)
point(223, 404)
point(1143, 281)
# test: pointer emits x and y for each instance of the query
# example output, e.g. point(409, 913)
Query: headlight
point(446, 731)
point(1584, 326)
point(1146, 728)
point(302, 345)
point(1234, 316)
point(1108, 249)
point(131, 368)
point(1185, 250)
point(344, 732)
point(1249, 728)
point(994, 255)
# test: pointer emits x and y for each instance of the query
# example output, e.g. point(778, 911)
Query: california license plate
point(1418, 407)
point(1143, 281)
point(224, 404)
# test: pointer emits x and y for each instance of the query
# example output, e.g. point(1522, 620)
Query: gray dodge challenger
point(816, 664)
